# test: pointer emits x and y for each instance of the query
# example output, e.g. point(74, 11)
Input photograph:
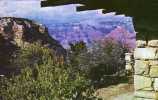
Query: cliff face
point(15, 31)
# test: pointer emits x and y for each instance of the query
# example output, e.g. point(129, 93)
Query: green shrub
point(46, 80)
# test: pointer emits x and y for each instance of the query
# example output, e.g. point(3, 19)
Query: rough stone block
point(153, 71)
point(141, 43)
point(146, 53)
point(141, 67)
point(153, 62)
point(147, 94)
point(141, 82)
point(156, 84)
point(153, 43)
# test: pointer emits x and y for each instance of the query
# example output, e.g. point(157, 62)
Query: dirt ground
point(122, 91)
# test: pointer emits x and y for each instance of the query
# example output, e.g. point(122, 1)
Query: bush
point(46, 80)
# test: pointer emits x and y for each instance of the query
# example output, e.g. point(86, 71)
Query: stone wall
point(146, 70)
